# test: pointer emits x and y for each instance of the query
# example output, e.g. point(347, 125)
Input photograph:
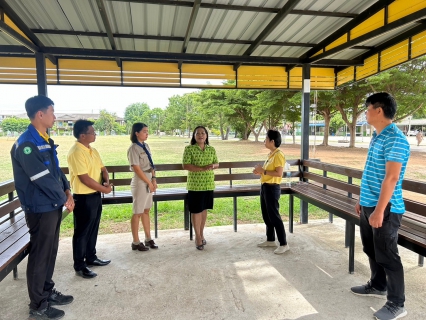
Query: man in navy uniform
point(43, 190)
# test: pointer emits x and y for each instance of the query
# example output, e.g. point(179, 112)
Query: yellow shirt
point(82, 160)
point(275, 159)
point(44, 135)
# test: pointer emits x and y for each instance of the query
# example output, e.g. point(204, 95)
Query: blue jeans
point(380, 245)
point(269, 203)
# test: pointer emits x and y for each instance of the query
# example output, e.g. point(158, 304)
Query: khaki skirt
point(142, 197)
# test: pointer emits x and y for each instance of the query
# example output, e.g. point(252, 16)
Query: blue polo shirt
point(389, 145)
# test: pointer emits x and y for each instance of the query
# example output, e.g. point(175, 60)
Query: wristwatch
point(264, 172)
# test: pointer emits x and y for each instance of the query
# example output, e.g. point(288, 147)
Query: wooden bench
point(236, 177)
point(14, 234)
point(339, 198)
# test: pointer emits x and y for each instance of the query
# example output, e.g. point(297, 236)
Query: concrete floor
point(230, 279)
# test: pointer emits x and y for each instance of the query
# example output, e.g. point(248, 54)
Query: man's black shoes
point(86, 273)
point(98, 263)
point(48, 313)
point(58, 299)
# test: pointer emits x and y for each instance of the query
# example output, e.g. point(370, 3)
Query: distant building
point(65, 121)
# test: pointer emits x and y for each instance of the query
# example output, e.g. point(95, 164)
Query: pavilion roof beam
point(363, 16)
point(166, 38)
point(107, 25)
point(279, 17)
point(11, 50)
point(6, 9)
point(17, 37)
point(185, 57)
point(191, 24)
point(242, 8)
point(370, 35)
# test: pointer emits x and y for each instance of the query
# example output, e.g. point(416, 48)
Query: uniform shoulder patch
point(27, 150)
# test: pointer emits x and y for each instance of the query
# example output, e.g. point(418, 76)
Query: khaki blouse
point(137, 156)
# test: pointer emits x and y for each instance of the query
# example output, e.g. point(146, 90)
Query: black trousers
point(43, 249)
point(380, 245)
point(87, 216)
point(269, 203)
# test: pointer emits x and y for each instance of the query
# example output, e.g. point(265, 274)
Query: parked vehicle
point(412, 132)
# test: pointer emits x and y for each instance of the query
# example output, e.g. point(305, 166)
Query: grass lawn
point(113, 150)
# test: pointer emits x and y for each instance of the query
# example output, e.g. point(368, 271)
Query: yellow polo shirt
point(82, 160)
point(275, 159)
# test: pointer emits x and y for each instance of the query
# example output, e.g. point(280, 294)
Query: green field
point(165, 150)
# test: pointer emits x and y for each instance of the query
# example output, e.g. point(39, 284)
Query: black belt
point(86, 194)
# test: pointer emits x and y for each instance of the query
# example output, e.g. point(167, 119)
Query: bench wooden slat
point(12, 238)
point(332, 182)
point(354, 173)
point(7, 187)
point(414, 206)
point(7, 232)
point(13, 251)
point(10, 221)
point(9, 207)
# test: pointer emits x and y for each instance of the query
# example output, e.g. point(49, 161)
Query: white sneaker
point(282, 249)
point(267, 244)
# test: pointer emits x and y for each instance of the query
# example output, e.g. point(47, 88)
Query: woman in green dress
point(200, 160)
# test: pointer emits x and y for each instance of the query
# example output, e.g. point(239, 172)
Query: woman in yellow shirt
point(270, 177)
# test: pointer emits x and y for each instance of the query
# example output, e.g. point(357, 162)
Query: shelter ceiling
point(338, 37)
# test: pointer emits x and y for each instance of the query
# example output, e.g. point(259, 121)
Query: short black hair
point(36, 104)
point(80, 127)
point(274, 135)
point(385, 101)
point(193, 141)
point(137, 127)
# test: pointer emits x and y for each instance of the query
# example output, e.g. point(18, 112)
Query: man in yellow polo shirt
point(86, 174)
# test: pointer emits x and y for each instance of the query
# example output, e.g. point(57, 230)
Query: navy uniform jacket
point(39, 181)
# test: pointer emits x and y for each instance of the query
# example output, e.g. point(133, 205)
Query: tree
point(350, 103)
point(292, 112)
point(407, 83)
point(105, 122)
point(156, 116)
point(242, 110)
point(136, 112)
point(14, 124)
point(325, 101)
point(213, 110)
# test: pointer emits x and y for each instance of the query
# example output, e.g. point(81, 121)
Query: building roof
point(242, 43)
point(72, 116)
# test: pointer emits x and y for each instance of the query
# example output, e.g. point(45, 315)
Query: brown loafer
point(151, 244)
point(140, 247)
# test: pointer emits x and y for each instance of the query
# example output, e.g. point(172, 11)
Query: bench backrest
point(11, 203)
point(174, 173)
point(350, 188)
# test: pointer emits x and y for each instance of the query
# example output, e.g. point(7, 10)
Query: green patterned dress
point(203, 180)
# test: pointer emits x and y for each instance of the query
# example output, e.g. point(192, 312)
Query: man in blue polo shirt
point(381, 207)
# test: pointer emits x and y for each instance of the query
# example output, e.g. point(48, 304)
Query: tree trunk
point(327, 118)
point(228, 128)
point(222, 135)
point(294, 133)
point(352, 130)
point(245, 136)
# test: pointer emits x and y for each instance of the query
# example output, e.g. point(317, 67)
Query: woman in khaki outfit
point(142, 186)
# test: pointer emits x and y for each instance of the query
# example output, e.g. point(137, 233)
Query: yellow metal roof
point(226, 44)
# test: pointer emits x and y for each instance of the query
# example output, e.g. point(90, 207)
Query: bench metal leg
point(421, 260)
point(330, 217)
point(186, 214)
point(15, 273)
point(291, 213)
point(235, 214)
point(156, 219)
point(350, 228)
point(303, 212)
point(347, 233)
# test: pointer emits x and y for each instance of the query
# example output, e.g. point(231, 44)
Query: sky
point(83, 99)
